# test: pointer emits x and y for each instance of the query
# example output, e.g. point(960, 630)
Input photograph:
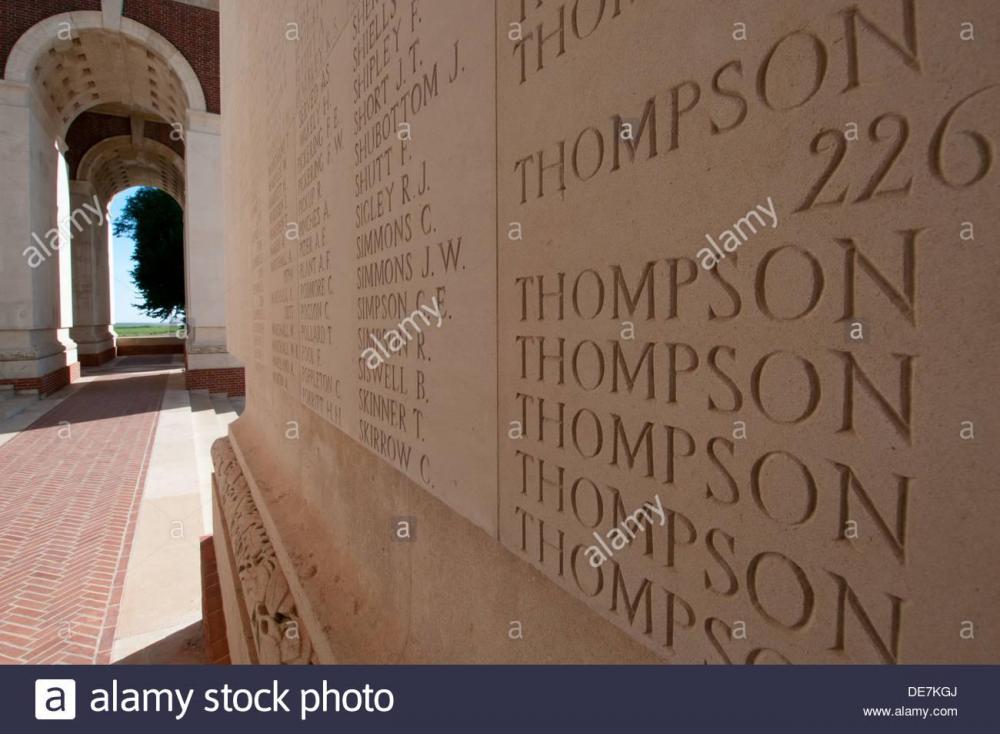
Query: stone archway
point(121, 162)
point(75, 51)
point(99, 63)
point(108, 167)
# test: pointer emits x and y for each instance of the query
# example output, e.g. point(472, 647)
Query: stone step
point(205, 418)
point(203, 411)
point(206, 429)
point(202, 397)
point(224, 410)
point(239, 404)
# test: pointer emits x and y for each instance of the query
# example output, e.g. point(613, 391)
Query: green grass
point(148, 330)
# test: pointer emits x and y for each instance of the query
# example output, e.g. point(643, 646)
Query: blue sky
point(125, 293)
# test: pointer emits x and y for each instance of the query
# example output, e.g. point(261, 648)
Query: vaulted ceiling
point(99, 67)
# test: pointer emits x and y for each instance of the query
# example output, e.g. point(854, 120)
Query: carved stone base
point(262, 623)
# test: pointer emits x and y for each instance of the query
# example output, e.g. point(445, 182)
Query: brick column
point(213, 619)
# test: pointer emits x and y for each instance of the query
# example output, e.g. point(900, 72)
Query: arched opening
point(109, 172)
point(147, 268)
point(74, 64)
point(94, 104)
point(127, 161)
point(123, 107)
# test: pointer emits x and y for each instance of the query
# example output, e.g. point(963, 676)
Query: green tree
point(155, 222)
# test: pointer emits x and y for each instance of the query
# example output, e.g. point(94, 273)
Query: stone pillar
point(91, 259)
point(36, 352)
point(209, 363)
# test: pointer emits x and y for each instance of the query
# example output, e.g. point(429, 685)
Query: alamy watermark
point(395, 339)
point(624, 533)
point(732, 238)
point(37, 253)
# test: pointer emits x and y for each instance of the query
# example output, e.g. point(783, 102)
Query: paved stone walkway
point(70, 487)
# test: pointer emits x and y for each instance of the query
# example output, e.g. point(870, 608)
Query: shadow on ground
point(183, 647)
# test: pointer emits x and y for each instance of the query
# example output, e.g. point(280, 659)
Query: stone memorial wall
point(599, 330)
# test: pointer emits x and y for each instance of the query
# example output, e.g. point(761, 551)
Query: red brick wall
point(160, 132)
point(50, 383)
point(96, 360)
point(195, 33)
point(17, 16)
point(229, 380)
point(87, 130)
point(213, 620)
point(128, 350)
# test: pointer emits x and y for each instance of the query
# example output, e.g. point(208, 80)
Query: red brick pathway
point(70, 486)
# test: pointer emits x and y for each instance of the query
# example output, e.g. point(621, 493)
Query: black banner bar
point(609, 699)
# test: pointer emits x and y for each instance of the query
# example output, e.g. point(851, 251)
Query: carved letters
point(547, 173)
point(780, 404)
